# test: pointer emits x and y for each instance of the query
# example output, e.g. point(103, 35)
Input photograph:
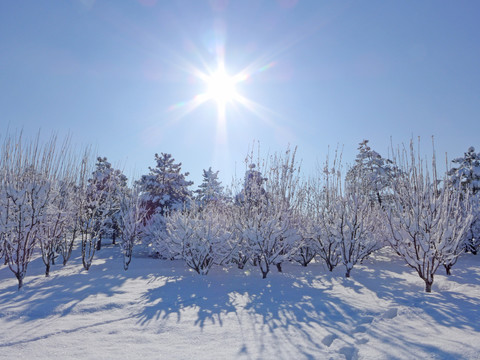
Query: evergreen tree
point(211, 189)
point(371, 174)
point(111, 184)
point(466, 175)
point(165, 188)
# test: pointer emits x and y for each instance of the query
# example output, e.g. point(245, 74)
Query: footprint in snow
point(327, 340)
point(390, 313)
point(360, 329)
point(349, 352)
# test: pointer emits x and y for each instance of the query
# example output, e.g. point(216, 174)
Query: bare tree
point(29, 170)
point(427, 219)
point(132, 214)
point(346, 218)
point(264, 219)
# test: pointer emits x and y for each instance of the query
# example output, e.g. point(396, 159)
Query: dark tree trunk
point(428, 286)
point(448, 269)
point(114, 237)
point(47, 269)
point(347, 274)
point(279, 267)
point(263, 270)
point(20, 281)
point(99, 243)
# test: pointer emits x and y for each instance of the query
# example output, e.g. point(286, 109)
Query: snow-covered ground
point(161, 310)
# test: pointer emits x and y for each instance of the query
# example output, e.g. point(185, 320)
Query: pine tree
point(165, 188)
point(110, 183)
point(466, 175)
point(211, 189)
point(371, 174)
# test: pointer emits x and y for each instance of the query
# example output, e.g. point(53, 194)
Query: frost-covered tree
point(28, 173)
point(112, 184)
point(55, 222)
point(306, 228)
point(427, 219)
point(24, 200)
point(349, 218)
point(264, 219)
point(199, 237)
point(131, 216)
point(371, 174)
point(317, 205)
point(210, 189)
point(465, 174)
point(466, 171)
point(74, 195)
point(165, 188)
point(95, 207)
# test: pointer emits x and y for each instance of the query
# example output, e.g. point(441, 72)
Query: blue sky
point(121, 75)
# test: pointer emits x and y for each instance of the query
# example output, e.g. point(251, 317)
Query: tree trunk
point(20, 282)
point(347, 274)
point(114, 237)
point(99, 243)
point(448, 269)
point(47, 269)
point(279, 267)
point(262, 269)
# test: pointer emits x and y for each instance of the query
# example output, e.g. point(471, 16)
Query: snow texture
point(161, 309)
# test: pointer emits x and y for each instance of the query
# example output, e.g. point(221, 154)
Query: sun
point(221, 87)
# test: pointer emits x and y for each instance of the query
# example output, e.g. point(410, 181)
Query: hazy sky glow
point(134, 77)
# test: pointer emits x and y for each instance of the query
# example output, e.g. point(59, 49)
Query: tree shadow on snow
point(66, 289)
point(279, 306)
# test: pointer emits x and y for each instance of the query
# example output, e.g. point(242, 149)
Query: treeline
point(51, 198)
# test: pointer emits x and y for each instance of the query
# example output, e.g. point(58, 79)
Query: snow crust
point(161, 309)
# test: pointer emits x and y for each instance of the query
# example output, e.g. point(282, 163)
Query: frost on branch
point(96, 205)
point(131, 217)
point(428, 219)
point(466, 175)
point(28, 175)
point(348, 217)
point(199, 236)
point(165, 188)
point(371, 175)
point(264, 214)
point(211, 189)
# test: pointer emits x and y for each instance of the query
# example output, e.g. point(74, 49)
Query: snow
point(161, 309)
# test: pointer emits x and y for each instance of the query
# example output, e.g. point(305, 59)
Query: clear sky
point(133, 77)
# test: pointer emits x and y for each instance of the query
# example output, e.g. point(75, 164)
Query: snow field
point(162, 310)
